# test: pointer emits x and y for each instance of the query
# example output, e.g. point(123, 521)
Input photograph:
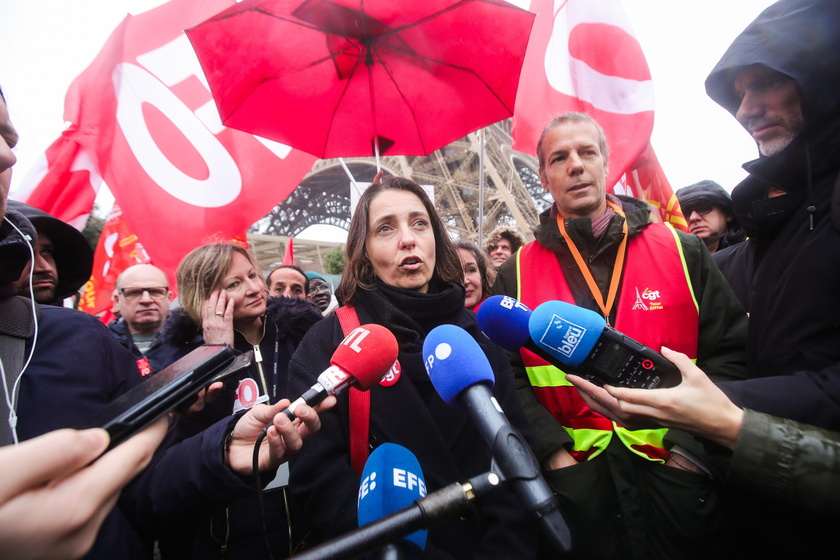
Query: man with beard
point(63, 258)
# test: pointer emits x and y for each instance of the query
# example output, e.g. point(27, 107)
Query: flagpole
point(480, 187)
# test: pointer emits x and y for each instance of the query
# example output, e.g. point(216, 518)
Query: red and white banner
point(583, 56)
point(143, 109)
point(63, 182)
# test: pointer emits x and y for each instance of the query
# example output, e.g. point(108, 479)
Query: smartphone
point(166, 391)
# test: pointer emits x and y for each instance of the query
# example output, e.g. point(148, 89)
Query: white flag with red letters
point(583, 56)
point(144, 114)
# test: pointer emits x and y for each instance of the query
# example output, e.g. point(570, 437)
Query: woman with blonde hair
point(224, 300)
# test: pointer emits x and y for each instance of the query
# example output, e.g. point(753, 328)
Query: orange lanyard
point(607, 306)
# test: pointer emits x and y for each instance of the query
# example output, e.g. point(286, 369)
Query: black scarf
point(410, 315)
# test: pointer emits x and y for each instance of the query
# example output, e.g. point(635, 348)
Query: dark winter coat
point(793, 347)
point(793, 464)
point(409, 413)
point(794, 245)
point(78, 367)
point(236, 526)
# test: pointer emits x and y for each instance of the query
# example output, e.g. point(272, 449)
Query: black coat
point(788, 272)
point(199, 533)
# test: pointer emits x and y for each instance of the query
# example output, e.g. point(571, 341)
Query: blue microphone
point(504, 320)
point(583, 343)
point(462, 376)
point(392, 480)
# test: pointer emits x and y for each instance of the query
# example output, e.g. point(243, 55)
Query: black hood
point(799, 38)
point(73, 254)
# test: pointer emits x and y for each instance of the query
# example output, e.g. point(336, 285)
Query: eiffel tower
point(513, 195)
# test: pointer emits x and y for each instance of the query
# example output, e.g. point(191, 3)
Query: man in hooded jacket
point(780, 79)
point(789, 206)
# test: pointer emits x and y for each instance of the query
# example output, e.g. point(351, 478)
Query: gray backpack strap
point(17, 325)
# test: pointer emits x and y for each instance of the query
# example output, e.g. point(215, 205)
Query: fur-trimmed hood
point(292, 317)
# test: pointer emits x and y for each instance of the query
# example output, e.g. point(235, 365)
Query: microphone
point(504, 320)
point(581, 340)
point(392, 480)
point(437, 507)
point(461, 374)
point(362, 359)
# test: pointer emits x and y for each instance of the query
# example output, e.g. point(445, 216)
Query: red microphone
point(362, 359)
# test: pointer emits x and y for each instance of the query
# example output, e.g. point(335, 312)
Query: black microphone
point(461, 374)
point(434, 508)
point(361, 360)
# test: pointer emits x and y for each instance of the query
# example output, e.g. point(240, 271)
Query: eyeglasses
point(701, 210)
point(134, 294)
point(319, 288)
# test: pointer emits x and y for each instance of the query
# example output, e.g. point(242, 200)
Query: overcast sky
point(47, 43)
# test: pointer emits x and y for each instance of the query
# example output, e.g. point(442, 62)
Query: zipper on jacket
point(259, 359)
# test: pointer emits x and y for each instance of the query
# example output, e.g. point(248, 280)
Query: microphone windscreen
point(566, 331)
point(367, 353)
point(454, 361)
point(504, 320)
point(391, 480)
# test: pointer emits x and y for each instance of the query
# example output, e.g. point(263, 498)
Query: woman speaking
point(403, 272)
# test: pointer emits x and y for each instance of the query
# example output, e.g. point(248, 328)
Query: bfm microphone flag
point(144, 119)
point(583, 56)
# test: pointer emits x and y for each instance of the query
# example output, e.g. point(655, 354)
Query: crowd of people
point(743, 456)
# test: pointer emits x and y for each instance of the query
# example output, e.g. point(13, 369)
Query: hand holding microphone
point(578, 340)
point(361, 360)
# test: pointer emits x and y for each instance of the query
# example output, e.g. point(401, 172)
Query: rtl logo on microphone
point(355, 338)
point(401, 478)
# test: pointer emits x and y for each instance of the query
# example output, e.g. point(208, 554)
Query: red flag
point(583, 56)
point(289, 255)
point(63, 182)
point(118, 248)
point(179, 176)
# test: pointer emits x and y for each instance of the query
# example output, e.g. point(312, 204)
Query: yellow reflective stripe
point(519, 274)
point(546, 376)
point(684, 265)
point(642, 437)
point(586, 439)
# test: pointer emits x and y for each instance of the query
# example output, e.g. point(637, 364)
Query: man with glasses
point(708, 208)
point(141, 299)
point(321, 293)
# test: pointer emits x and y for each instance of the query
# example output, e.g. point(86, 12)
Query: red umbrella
point(336, 78)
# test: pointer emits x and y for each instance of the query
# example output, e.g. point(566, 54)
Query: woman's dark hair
point(480, 260)
point(359, 273)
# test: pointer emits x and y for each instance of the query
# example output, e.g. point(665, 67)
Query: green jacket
point(722, 320)
point(788, 462)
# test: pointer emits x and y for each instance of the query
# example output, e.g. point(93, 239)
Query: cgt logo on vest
point(648, 300)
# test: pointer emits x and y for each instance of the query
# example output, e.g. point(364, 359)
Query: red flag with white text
point(583, 56)
point(63, 182)
point(179, 176)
